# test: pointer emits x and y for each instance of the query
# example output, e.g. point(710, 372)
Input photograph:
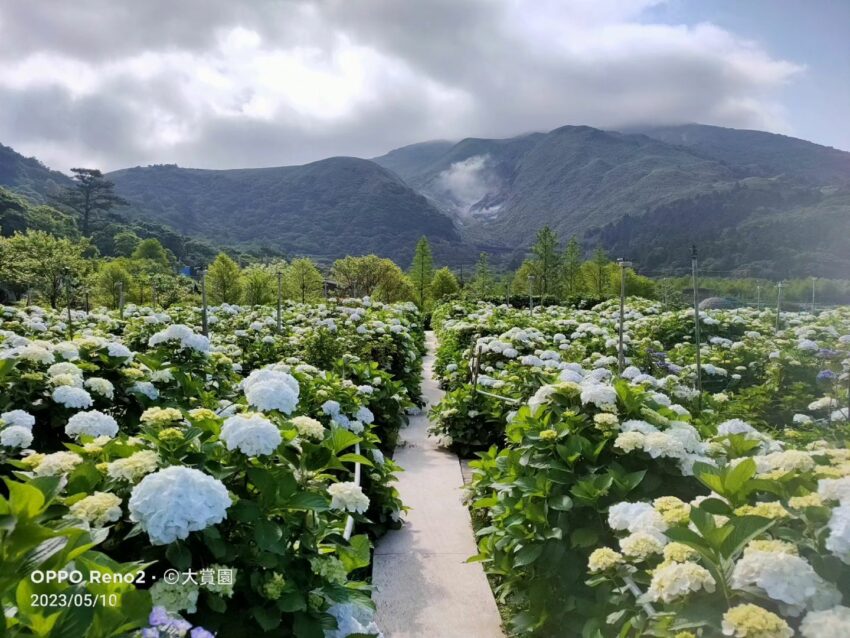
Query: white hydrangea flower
point(269, 389)
point(835, 489)
point(251, 434)
point(635, 517)
point(18, 417)
point(98, 509)
point(58, 463)
point(309, 428)
point(133, 467)
point(672, 581)
point(598, 394)
point(118, 350)
point(71, 397)
point(171, 503)
point(838, 541)
point(785, 578)
point(348, 497)
point(829, 622)
point(15, 436)
point(146, 388)
point(187, 338)
point(103, 387)
point(91, 423)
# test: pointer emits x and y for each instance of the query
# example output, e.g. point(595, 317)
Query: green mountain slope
point(649, 196)
point(759, 153)
point(28, 176)
point(326, 209)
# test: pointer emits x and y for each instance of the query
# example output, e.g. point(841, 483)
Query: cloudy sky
point(227, 83)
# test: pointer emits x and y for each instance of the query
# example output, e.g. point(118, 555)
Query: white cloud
point(223, 84)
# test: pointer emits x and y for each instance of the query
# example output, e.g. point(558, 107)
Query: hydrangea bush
point(176, 450)
point(616, 503)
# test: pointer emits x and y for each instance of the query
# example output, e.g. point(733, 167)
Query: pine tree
point(547, 259)
point(422, 271)
point(443, 284)
point(571, 268)
point(482, 282)
point(224, 280)
point(92, 194)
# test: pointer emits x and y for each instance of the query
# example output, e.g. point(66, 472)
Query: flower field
point(625, 503)
point(252, 463)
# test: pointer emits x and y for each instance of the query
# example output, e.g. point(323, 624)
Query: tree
point(395, 285)
point(125, 242)
point(39, 260)
point(444, 284)
point(304, 281)
point(527, 273)
point(111, 278)
point(482, 282)
point(358, 276)
point(545, 251)
point(259, 284)
point(224, 283)
point(597, 272)
point(152, 250)
point(422, 271)
point(92, 194)
point(571, 283)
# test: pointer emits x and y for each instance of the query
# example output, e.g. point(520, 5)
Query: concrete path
point(423, 586)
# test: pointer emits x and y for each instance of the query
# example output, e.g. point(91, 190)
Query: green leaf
point(267, 618)
point(356, 458)
point(562, 503)
point(306, 626)
point(268, 535)
point(179, 555)
point(341, 439)
point(357, 554)
point(738, 476)
point(73, 622)
point(584, 537)
point(25, 501)
point(528, 554)
point(308, 501)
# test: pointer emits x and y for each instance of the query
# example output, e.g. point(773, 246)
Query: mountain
point(326, 209)
point(754, 202)
point(28, 176)
point(756, 153)
point(648, 195)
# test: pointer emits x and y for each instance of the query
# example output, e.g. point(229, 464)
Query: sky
point(229, 84)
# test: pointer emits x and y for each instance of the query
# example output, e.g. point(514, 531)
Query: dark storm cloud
point(217, 83)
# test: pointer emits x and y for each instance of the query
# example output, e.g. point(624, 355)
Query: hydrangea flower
point(98, 509)
point(15, 436)
point(18, 417)
point(91, 423)
point(673, 581)
point(308, 427)
point(269, 389)
point(348, 497)
point(251, 434)
point(71, 397)
point(171, 503)
point(133, 467)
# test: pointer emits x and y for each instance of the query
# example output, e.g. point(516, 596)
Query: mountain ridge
point(641, 193)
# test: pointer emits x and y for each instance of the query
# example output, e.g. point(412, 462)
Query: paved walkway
point(423, 586)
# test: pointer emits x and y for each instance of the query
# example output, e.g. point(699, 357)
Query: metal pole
point(813, 295)
point(279, 296)
point(778, 303)
point(620, 356)
point(70, 318)
point(694, 267)
point(204, 323)
point(531, 294)
point(121, 299)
